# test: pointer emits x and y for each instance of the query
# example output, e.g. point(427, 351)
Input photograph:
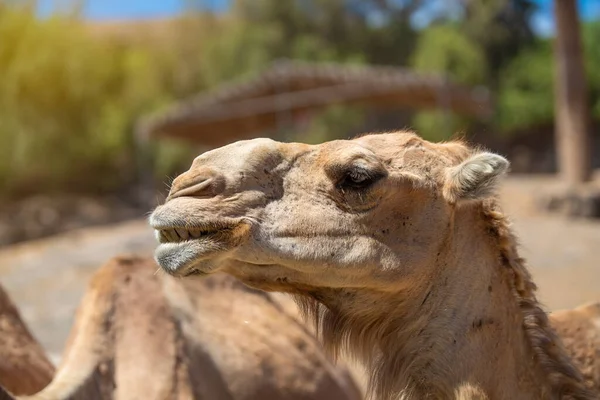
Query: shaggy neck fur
point(475, 321)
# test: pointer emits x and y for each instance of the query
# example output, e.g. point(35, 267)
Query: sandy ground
point(47, 278)
point(563, 254)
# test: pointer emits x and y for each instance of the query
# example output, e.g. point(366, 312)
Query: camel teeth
point(180, 234)
point(183, 233)
point(195, 233)
point(162, 236)
point(172, 235)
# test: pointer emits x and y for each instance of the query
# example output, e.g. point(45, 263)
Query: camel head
point(368, 213)
point(390, 244)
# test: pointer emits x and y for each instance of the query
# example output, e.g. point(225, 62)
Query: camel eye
point(359, 178)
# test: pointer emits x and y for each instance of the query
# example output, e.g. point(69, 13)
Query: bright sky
point(125, 9)
point(543, 21)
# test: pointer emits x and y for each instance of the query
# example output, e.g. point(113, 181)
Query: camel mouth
point(178, 229)
point(182, 234)
point(191, 247)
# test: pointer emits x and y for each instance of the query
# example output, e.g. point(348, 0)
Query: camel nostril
point(197, 182)
point(197, 189)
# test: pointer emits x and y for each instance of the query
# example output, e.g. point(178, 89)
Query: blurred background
point(103, 102)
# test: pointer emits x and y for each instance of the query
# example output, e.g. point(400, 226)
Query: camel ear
point(475, 178)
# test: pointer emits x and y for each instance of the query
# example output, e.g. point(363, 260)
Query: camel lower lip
point(182, 258)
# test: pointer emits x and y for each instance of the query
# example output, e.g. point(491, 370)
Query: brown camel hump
point(143, 335)
point(24, 367)
point(241, 339)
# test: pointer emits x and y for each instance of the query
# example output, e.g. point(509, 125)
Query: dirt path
point(47, 278)
point(563, 254)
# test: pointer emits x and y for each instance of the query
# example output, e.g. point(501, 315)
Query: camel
point(24, 367)
point(142, 335)
point(394, 246)
point(579, 330)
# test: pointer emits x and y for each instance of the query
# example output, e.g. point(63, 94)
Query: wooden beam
point(319, 97)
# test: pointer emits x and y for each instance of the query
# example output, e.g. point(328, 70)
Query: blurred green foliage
point(591, 38)
point(526, 95)
point(69, 97)
point(445, 49)
point(526, 92)
point(68, 103)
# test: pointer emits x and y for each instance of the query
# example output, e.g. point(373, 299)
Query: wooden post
point(571, 102)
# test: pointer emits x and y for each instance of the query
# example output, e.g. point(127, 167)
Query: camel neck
point(474, 332)
point(484, 325)
point(459, 333)
point(474, 321)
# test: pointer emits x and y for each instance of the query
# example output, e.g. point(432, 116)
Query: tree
point(444, 49)
point(525, 95)
point(501, 27)
point(571, 102)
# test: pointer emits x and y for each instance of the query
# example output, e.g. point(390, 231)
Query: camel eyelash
point(358, 178)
